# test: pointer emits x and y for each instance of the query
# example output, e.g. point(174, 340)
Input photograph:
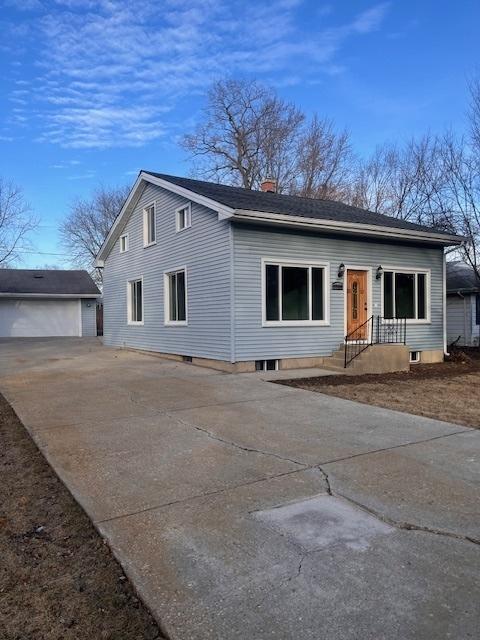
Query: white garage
point(47, 303)
point(35, 318)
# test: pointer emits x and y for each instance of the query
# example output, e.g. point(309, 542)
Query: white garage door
point(36, 318)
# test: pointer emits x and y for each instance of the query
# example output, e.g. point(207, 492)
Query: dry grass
point(58, 580)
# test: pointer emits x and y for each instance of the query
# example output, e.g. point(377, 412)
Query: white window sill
point(409, 321)
point(134, 323)
point(296, 323)
point(150, 244)
point(173, 323)
point(184, 228)
point(125, 251)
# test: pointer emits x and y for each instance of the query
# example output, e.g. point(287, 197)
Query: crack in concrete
point(245, 448)
point(398, 446)
point(407, 526)
point(198, 496)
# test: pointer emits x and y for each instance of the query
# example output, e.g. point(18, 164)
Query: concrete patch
point(324, 521)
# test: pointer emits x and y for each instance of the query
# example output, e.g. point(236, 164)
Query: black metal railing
point(391, 330)
point(375, 330)
point(358, 340)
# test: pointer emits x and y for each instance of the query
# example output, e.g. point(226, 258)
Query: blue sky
point(92, 91)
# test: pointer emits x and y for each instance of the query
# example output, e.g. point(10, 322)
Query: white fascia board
point(346, 227)
point(130, 203)
point(61, 296)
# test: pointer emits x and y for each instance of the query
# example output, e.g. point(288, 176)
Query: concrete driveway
point(244, 509)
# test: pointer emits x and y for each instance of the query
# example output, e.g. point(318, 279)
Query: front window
point(176, 297)
point(149, 226)
point(294, 293)
point(135, 301)
point(405, 295)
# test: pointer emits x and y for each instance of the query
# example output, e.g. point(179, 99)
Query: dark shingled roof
point(239, 198)
point(461, 277)
point(47, 281)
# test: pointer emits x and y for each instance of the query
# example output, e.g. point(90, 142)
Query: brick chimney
point(269, 185)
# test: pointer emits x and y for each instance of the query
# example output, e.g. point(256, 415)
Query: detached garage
point(40, 303)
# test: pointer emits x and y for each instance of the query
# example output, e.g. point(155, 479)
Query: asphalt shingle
point(47, 281)
point(239, 198)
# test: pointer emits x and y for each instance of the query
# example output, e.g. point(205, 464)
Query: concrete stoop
point(377, 358)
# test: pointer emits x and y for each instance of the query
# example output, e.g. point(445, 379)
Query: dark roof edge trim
point(348, 227)
point(50, 295)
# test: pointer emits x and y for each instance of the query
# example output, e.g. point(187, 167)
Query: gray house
point(244, 280)
point(463, 305)
point(47, 302)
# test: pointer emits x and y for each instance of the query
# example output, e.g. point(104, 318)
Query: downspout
point(444, 304)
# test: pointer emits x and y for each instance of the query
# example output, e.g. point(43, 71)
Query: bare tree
point(323, 161)
point(86, 226)
point(247, 133)
point(461, 199)
point(404, 182)
point(16, 222)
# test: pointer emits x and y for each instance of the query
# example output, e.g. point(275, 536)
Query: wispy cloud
point(110, 71)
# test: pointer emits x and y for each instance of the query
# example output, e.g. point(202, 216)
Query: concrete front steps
point(377, 358)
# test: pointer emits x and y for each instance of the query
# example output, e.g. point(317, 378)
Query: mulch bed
point(58, 578)
point(460, 362)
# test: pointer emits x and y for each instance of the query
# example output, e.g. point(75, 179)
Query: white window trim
point(418, 359)
point(129, 302)
point(308, 264)
point(146, 243)
point(166, 297)
point(188, 207)
point(124, 235)
point(428, 273)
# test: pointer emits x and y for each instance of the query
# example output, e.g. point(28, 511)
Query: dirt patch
point(58, 579)
point(447, 391)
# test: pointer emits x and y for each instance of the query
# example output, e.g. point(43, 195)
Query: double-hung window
point(176, 297)
point(149, 226)
point(183, 217)
point(124, 243)
point(294, 294)
point(406, 294)
point(135, 301)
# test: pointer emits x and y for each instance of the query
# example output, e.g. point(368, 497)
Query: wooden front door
point(357, 305)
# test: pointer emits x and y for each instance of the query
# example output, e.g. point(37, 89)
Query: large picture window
point(135, 301)
point(294, 293)
point(405, 295)
point(176, 297)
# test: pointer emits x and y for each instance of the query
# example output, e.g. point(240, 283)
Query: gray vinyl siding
point(461, 319)
point(204, 249)
point(251, 244)
point(89, 318)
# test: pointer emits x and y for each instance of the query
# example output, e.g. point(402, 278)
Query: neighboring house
point(253, 279)
point(463, 305)
point(47, 302)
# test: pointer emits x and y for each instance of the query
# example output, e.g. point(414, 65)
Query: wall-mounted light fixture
point(341, 270)
point(379, 272)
